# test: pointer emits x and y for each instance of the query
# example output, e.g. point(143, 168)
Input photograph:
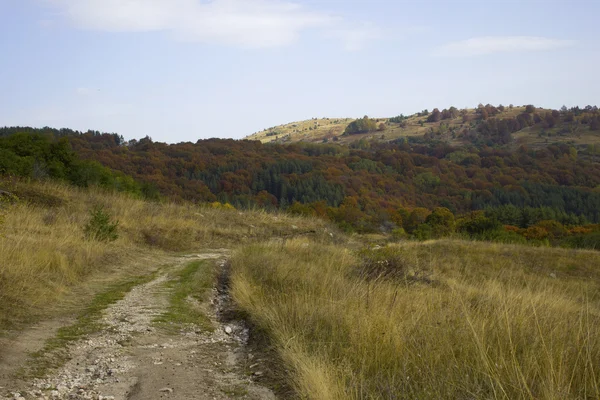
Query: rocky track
point(132, 358)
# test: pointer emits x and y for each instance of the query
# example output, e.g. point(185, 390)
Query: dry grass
point(44, 255)
point(491, 321)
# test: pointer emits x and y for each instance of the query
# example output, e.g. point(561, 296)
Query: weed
point(192, 283)
point(101, 227)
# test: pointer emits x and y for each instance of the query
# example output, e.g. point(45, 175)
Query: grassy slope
point(489, 320)
point(44, 255)
point(330, 127)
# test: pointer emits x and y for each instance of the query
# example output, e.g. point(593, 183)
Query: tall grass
point(490, 321)
point(44, 252)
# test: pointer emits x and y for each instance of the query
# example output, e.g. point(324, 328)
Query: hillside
point(121, 260)
point(457, 128)
point(94, 282)
point(460, 318)
point(419, 189)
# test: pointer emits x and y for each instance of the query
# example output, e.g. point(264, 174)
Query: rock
point(228, 330)
point(258, 373)
point(166, 390)
point(62, 388)
point(106, 397)
point(294, 227)
point(55, 394)
point(553, 275)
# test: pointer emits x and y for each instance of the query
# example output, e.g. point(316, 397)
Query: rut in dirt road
point(133, 359)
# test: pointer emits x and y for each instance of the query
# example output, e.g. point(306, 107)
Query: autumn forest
point(478, 183)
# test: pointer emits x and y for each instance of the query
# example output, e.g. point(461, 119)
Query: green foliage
point(441, 220)
point(36, 155)
point(363, 125)
point(425, 232)
point(500, 236)
point(398, 119)
point(399, 233)
point(416, 218)
point(427, 181)
point(101, 227)
point(477, 224)
point(585, 241)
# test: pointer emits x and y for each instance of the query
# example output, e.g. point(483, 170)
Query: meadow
point(441, 319)
point(45, 254)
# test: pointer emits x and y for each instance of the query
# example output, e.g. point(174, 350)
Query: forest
point(419, 188)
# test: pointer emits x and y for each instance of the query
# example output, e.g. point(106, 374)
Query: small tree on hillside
point(436, 116)
point(363, 125)
point(441, 221)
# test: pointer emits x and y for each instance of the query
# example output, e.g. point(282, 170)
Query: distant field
point(431, 320)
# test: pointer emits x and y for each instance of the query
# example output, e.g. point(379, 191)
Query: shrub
point(477, 224)
point(399, 233)
point(416, 218)
point(390, 263)
point(502, 236)
point(554, 228)
point(363, 125)
point(441, 221)
point(585, 241)
point(424, 232)
point(101, 227)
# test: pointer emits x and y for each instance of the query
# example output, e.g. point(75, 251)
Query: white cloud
point(247, 23)
point(500, 44)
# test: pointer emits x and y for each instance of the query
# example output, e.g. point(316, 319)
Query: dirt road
point(131, 357)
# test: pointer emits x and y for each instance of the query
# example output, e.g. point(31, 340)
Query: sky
point(183, 70)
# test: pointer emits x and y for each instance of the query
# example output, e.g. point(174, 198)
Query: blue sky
point(181, 70)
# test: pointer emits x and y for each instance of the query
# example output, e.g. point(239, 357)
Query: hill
point(548, 195)
point(344, 319)
point(117, 235)
point(536, 128)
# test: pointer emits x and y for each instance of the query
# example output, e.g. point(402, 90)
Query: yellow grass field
point(434, 320)
point(44, 253)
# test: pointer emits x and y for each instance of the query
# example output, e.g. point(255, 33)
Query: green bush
point(478, 224)
point(586, 241)
point(101, 227)
point(500, 236)
point(424, 232)
point(362, 125)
